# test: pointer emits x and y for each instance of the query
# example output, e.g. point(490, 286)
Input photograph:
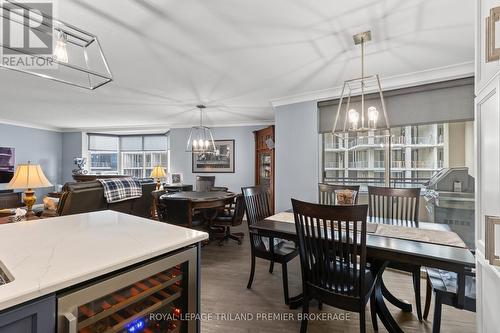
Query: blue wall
point(38, 146)
point(297, 153)
point(72, 146)
point(244, 142)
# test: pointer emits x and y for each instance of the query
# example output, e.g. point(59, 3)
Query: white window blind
point(103, 142)
point(155, 142)
point(131, 143)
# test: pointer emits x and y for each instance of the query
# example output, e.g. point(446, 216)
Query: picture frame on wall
point(176, 178)
point(7, 163)
point(220, 162)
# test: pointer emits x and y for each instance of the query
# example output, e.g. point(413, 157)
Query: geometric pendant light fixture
point(356, 113)
point(63, 52)
point(201, 139)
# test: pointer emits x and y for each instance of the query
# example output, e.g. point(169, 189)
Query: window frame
point(121, 153)
point(143, 153)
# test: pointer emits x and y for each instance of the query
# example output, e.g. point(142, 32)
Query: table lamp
point(28, 176)
point(158, 172)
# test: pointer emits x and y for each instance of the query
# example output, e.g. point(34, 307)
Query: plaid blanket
point(120, 189)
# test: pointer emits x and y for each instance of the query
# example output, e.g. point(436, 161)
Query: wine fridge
point(152, 298)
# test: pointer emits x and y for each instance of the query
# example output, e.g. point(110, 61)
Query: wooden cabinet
point(264, 160)
point(34, 317)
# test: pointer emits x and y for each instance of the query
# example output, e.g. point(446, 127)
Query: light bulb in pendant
point(60, 51)
point(195, 144)
point(353, 116)
point(372, 117)
point(206, 144)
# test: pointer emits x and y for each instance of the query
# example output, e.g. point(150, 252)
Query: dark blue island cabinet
point(38, 316)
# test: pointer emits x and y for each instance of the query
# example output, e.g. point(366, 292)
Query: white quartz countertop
point(48, 255)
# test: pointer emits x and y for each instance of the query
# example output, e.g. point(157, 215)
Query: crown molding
point(130, 129)
point(159, 128)
point(456, 71)
point(30, 125)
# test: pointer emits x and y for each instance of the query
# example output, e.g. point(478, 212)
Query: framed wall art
point(220, 162)
point(176, 178)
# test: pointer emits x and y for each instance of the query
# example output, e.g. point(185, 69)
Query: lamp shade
point(158, 172)
point(28, 176)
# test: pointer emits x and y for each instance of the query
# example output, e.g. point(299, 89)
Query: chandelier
point(352, 113)
point(201, 139)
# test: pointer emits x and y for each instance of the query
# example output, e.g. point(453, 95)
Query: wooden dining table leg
point(382, 311)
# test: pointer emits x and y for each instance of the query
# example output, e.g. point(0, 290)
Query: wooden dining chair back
point(394, 204)
point(257, 208)
point(332, 249)
point(257, 203)
point(327, 192)
point(204, 183)
point(398, 206)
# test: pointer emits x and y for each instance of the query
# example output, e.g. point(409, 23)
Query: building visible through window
point(416, 154)
point(132, 155)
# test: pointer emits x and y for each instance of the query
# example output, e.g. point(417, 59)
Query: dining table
point(391, 246)
point(203, 200)
point(209, 204)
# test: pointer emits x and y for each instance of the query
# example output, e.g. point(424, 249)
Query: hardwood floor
point(224, 276)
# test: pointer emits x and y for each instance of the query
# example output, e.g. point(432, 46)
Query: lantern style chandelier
point(352, 114)
point(201, 139)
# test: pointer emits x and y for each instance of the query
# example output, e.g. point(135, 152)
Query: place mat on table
point(289, 218)
point(440, 237)
point(422, 235)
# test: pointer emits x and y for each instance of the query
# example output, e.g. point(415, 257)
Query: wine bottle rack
point(128, 302)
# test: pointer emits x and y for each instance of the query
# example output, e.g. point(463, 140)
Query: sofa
point(88, 196)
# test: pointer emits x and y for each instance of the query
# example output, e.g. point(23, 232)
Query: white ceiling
point(235, 56)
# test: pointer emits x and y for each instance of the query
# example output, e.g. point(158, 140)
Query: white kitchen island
point(46, 257)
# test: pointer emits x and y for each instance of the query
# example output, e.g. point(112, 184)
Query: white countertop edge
point(49, 289)
point(13, 298)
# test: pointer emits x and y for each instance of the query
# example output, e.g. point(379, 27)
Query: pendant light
point(352, 113)
point(61, 51)
point(77, 54)
point(201, 139)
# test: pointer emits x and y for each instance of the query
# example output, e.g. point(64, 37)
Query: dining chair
point(231, 217)
point(327, 194)
point(332, 248)
point(446, 289)
point(177, 211)
point(398, 206)
point(204, 183)
point(275, 250)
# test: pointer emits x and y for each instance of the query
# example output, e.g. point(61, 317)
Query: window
point(416, 154)
point(140, 164)
point(103, 152)
point(134, 156)
point(140, 154)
